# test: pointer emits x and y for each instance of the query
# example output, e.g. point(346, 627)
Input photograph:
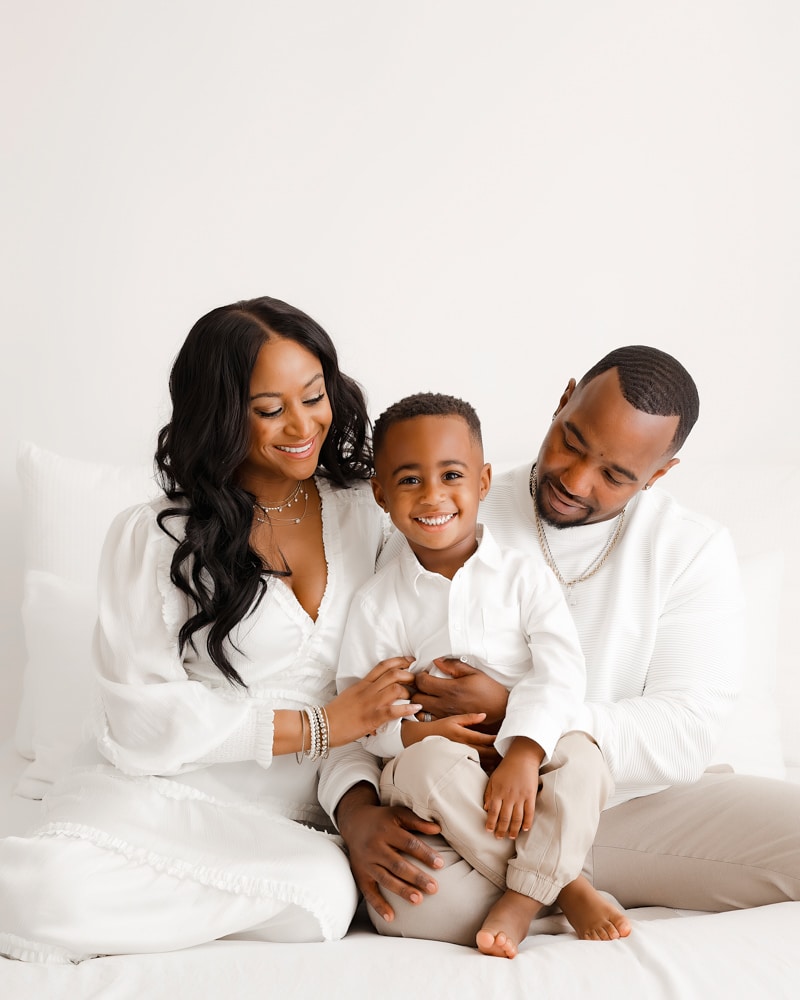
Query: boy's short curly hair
point(425, 404)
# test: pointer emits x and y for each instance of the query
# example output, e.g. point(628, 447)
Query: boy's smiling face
point(430, 477)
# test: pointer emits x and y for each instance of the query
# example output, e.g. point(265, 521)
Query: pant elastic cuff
point(532, 884)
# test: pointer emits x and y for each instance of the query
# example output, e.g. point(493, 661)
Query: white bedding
point(670, 954)
point(728, 955)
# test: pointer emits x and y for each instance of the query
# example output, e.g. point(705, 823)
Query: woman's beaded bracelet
point(319, 733)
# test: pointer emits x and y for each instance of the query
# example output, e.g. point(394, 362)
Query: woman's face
point(290, 416)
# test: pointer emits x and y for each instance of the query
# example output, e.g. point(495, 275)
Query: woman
point(221, 607)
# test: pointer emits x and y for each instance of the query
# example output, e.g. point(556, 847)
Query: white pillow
point(717, 489)
point(58, 617)
point(751, 737)
point(789, 670)
point(68, 506)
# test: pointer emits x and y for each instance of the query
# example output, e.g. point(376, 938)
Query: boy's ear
point(377, 492)
point(486, 479)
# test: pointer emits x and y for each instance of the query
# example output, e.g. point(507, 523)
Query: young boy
point(452, 592)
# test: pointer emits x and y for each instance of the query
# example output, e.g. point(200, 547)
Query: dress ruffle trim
point(215, 878)
point(22, 950)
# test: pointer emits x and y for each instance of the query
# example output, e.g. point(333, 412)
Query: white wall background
point(471, 197)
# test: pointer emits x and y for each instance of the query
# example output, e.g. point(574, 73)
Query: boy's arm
point(545, 703)
point(510, 798)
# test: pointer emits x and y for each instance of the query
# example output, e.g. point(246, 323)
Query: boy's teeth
point(433, 522)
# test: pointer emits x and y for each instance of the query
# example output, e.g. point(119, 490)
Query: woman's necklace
point(298, 494)
point(544, 545)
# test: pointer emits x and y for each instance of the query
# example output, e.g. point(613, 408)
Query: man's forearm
point(347, 767)
point(362, 794)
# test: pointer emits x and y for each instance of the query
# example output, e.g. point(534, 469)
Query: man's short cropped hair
point(654, 382)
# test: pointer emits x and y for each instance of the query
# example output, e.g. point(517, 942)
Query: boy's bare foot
point(506, 924)
point(592, 916)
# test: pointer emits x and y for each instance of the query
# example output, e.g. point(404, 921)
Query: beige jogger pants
point(443, 781)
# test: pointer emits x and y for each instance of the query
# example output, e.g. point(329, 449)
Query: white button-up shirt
point(503, 612)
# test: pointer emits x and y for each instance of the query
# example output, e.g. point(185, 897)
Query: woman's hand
point(367, 704)
point(380, 840)
point(464, 690)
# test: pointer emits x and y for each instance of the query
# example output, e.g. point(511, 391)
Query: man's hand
point(510, 798)
point(377, 838)
point(465, 690)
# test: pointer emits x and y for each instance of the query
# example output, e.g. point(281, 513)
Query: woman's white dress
point(185, 828)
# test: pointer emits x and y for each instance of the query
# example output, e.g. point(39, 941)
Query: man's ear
point(377, 492)
point(565, 397)
point(486, 480)
point(661, 472)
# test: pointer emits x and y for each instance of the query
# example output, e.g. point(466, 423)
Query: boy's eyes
point(415, 480)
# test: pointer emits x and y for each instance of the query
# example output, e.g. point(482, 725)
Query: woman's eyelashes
point(270, 414)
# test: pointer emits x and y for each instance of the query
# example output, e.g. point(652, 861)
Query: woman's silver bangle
point(299, 755)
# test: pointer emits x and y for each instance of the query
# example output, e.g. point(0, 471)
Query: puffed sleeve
point(544, 704)
point(155, 718)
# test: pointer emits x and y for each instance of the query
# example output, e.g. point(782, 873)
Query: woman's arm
point(157, 720)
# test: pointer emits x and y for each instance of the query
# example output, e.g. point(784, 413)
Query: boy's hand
point(510, 799)
point(455, 728)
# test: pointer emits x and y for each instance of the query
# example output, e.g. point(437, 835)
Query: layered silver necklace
point(298, 495)
point(544, 545)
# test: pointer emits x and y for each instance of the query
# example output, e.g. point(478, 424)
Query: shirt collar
point(488, 552)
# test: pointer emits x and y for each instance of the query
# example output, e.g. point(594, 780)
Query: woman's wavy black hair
point(205, 442)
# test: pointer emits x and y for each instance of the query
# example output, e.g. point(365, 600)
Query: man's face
point(598, 452)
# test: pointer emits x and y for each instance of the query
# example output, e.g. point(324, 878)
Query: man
point(654, 592)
